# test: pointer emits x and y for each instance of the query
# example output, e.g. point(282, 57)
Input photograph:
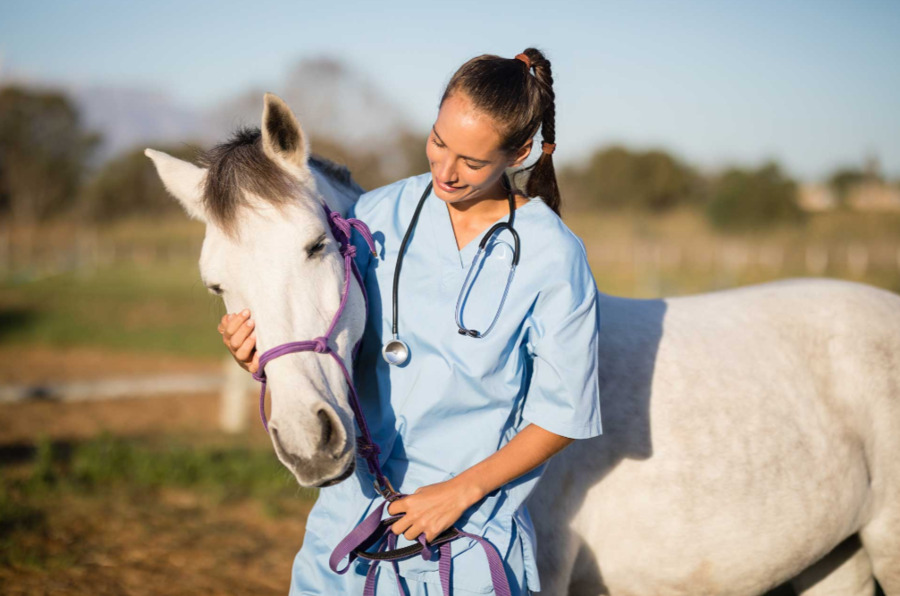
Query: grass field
point(153, 307)
point(149, 298)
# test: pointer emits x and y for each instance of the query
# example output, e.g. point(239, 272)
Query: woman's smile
point(447, 187)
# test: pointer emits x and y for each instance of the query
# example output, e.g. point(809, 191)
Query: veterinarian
point(467, 421)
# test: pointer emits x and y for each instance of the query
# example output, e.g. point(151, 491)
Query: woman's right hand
point(239, 336)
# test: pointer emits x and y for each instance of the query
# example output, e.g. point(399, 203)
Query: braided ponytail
point(542, 174)
point(520, 103)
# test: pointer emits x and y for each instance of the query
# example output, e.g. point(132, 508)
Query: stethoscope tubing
point(396, 341)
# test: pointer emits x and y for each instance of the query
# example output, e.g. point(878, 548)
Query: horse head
point(269, 248)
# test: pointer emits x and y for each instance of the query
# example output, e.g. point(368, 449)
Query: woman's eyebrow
point(466, 157)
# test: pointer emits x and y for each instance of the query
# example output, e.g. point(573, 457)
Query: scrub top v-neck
point(442, 227)
point(459, 399)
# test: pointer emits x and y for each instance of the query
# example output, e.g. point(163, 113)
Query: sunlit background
point(701, 145)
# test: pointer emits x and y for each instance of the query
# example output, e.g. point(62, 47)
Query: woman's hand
point(239, 336)
point(433, 508)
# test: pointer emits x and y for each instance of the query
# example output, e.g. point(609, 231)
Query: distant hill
point(331, 101)
point(127, 117)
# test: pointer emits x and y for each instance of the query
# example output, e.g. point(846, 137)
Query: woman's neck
point(491, 206)
point(471, 218)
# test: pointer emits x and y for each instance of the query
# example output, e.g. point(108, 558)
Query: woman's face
point(464, 152)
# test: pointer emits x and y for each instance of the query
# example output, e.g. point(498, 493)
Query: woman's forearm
point(434, 508)
point(531, 447)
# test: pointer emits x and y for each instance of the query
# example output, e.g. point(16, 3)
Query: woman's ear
point(522, 154)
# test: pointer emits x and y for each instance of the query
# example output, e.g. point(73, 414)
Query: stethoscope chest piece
point(395, 352)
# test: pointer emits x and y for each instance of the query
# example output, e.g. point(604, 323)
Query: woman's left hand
point(432, 509)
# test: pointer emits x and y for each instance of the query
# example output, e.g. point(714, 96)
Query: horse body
point(748, 433)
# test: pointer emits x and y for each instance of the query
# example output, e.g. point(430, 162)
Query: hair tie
point(524, 59)
point(548, 148)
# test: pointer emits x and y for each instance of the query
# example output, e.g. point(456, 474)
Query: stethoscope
point(395, 350)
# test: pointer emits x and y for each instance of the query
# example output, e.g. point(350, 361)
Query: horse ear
point(183, 180)
point(282, 138)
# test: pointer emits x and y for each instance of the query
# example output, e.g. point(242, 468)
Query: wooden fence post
point(233, 402)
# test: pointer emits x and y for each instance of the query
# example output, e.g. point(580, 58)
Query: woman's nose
point(446, 171)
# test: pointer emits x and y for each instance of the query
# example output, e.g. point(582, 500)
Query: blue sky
point(814, 84)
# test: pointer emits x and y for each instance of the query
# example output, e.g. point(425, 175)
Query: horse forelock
point(237, 167)
point(240, 166)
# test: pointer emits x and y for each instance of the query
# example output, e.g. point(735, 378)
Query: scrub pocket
point(471, 572)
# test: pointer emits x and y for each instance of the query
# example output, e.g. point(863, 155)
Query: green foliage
point(226, 473)
point(618, 178)
point(43, 153)
point(744, 200)
point(129, 185)
point(138, 468)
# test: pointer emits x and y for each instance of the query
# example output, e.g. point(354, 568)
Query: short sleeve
point(563, 395)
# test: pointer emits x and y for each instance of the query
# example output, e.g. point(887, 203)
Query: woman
point(466, 424)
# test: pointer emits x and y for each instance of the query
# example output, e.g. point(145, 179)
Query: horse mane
point(335, 171)
point(240, 165)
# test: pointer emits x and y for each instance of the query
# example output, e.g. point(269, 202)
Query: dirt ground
point(172, 542)
point(169, 542)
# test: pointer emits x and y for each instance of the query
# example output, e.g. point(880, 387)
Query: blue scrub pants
point(311, 576)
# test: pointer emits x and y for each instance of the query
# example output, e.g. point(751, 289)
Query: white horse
point(751, 436)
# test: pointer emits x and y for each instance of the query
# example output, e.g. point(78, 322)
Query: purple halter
point(373, 528)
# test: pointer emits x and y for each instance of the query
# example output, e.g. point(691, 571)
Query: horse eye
point(215, 289)
point(316, 248)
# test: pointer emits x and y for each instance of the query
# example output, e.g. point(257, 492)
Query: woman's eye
point(474, 167)
point(436, 144)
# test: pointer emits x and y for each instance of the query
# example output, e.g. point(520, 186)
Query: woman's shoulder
point(374, 201)
point(550, 234)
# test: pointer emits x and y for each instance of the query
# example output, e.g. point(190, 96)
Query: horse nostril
point(327, 428)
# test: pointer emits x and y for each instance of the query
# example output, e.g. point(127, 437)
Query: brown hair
point(520, 103)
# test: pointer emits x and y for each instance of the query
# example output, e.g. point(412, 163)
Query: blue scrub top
point(457, 400)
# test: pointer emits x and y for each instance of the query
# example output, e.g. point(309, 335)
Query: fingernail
point(245, 312)
point(249, 323)
point(228, 316)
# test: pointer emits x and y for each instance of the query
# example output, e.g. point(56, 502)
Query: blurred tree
point(844, 179)
point(43, 152)
point(364, 165)
point(618, 178)
point(746, 199)
point(129, 185)
point(376, 166)
point(411, 147)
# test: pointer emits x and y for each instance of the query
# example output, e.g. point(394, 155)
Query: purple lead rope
point(373, 529)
